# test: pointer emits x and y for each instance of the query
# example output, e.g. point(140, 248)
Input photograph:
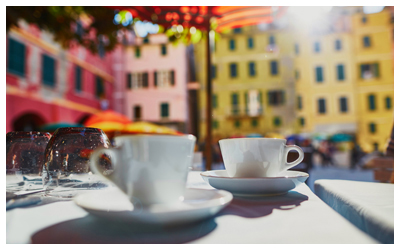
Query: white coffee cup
point(257, 157)
point(149, 169)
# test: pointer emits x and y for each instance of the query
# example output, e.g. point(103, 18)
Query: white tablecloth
point(298, 217)
point(368, 205)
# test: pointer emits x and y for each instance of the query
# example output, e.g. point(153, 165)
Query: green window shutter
point(129, 81)
point(137, 52)
point(376, 69)
point(78, 78)
point(163, 49)
point(372, 128)
point(155, 78)
point(250, 43)
point(232, 44)
point(233, 69)
point(371, 102)
point(48, 71)
point(16, 57)
point(299, 103)
point(215, 124)
point(319, 74)
point(388, 102)
point(296, 48)
point(274, 68)
point(215, 101)
point(99, 87)
point(237, 124)
point(235, 103)
point(145, 80)
point(277, 121)
point(343, 104)
point(246, 100)
point(172, 77)
point(283, 97)
point(321, 106)
point(254, 123)
point(164, 110)
point(213, 71)
point(340, 72)
point(302, 121)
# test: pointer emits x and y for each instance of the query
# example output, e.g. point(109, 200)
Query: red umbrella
point(107, 116)
point(226, 17)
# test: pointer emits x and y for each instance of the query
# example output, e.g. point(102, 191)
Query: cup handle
point(297, 161)
point(95, 156)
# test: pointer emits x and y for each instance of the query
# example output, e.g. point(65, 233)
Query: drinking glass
point(66, 169)
point(25, 159)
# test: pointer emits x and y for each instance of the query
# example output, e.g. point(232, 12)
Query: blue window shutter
point(338, 45)
point(388, 102)
point(233, 69)
point(163, 49)
point(252, 69)
point(232, 44)
point(271, 40)
point(213, 71)
point(343, 104)
point(372, 127)
point(366, 41)
point(274, 67)
point(215, 101)
point(78, 78)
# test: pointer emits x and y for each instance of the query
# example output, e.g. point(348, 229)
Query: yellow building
point(335, 79)
point(253, 80)
point(373, 40)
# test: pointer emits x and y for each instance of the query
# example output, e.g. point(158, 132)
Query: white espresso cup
point(257, 157)
point(149, 169)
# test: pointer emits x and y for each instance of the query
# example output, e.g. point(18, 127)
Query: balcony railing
point(238, 111)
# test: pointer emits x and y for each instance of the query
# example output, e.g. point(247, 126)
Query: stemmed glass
point(25, 159)
point(66, 169)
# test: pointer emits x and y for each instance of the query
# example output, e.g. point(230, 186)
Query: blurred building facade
point(156, 77)
point(336, 77)
point(48, 84)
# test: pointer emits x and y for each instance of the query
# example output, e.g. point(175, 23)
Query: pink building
point(47, 84)
point(156, 82)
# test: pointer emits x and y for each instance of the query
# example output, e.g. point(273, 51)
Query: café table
point(297, 217)
point(368, 205)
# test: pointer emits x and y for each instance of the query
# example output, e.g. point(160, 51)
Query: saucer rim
point(227, 196)
point(204, 174)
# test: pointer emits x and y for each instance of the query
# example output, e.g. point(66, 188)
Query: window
point(16, 57)
point(388, 102)
point(215, 101)
point(252, 68)
point(163, 49)
point(164, 110)
point(375, 145)
point(369, 71)
point(137, 112)
point(164, 78)
point(215, 124)
point(48, 71)
point(302, 121)
point(146, 40)
point(372, 128)
point(235, 103)
point(237, 124)
point(343, 105)
point(250, 43)
point(299, 103)
point(321, 106)
point(128, 80)
point(237, 30)
point(340, 72)
point(137, 80)
point(137, 52)
point(254, 123)
point(366, 41)
point(214, 71)
point(232, 44)
point(271, 40)
point(277, 121)
point(364, 19)
point(100, 49)
point(297, 74)
point(317, 47)
point(78, 78)
point(296, 49)
point(371, 102)
point(274, 67)
point(338, 45)
point(319, 74)
point(100, 93)
point(233, 70)
point(276, 97)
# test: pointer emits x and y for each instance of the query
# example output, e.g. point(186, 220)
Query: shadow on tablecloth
point(94, 230)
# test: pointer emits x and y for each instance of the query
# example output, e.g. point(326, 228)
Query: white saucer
point(113, 204)
point(219, 179)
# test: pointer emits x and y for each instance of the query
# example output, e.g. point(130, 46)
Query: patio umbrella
point(341, 138)
point(51, 127)
point(108, 126)
point(106, 116)
point(274, 135)
point(254, 135)
point(148, 128)
point(226, 17)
